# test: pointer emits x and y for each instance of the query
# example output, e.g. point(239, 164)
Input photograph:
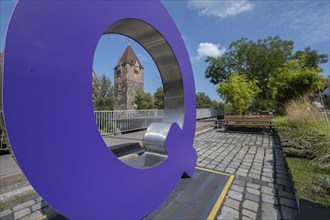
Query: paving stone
point(288, 189)
point(279, 187)
point(289, 213)
point(246, 218)
point(252, 185)
point(285, 182)
point(288, 202)
point(228, 213)
point(39, 199)
point(251, 197)
point(253, 206)
point(268, 190)
point(202, 165)
point(255, 176)
point(219, 168)
point(21, 213)
point(232, 203)
point(210, 166)
point(38, 206)
point(267, 179)
point(269, 212)
point(253, 191)
point(239, 182)
point(33, 215)
point(235, 195)
point(23, 205)
point(240, 173)
point(285, 194)
point(5, 212)
point(249, 213)
point(237, 188)
point(9, 216)
point(48, 210)
point(269, 199)
point(230, 170)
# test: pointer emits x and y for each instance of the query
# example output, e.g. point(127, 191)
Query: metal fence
point(207, 113)
point(111, 122)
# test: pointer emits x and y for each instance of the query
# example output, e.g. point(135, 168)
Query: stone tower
point(129, 76)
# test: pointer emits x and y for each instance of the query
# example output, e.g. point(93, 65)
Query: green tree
point(311, 57)
point(294, 80)
point(104, 94)
point(144, 101)
point(203, 100)
point(215, 104)
point(260, 60)
point(239, 92)
point(257, 60)
point(159, 98)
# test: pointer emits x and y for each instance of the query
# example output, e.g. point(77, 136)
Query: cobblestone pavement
point(29, 208)
point(262, 188)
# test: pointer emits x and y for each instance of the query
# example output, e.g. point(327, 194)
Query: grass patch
point(311, 185)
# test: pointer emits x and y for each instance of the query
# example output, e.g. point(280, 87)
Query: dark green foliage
point(204, 101)
point(144, 101)
point(313, 59)
point(159, 98)
point(104, 94)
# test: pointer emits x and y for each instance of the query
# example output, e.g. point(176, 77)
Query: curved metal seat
point(154, 143)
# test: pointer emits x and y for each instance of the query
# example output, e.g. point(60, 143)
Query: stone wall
point(129, 79)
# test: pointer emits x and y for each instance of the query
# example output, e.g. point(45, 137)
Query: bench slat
point(249, 125)
point(256, 120)
point(249, 120)
point(248, 117)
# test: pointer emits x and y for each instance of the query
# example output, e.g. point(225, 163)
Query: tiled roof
point(130, 57)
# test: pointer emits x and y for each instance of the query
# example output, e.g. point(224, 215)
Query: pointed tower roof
point(129, 57)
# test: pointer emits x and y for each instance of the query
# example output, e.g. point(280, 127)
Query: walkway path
point(262, 188)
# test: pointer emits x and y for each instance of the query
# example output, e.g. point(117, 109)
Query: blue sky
point(208, 28)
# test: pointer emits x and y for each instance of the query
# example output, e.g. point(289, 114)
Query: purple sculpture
point(48, 108)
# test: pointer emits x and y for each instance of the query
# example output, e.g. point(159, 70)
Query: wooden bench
point(251, 121)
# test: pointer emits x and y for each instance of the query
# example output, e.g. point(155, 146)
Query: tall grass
point(307, 127)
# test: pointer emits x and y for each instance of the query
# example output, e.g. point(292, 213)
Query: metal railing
point(112, 122)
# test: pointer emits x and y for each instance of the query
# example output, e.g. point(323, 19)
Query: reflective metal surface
point(162, 54)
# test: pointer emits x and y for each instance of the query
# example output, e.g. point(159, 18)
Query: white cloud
point(209, 50)
point(218, 8)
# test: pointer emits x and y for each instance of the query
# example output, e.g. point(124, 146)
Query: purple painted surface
point(49, 112)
